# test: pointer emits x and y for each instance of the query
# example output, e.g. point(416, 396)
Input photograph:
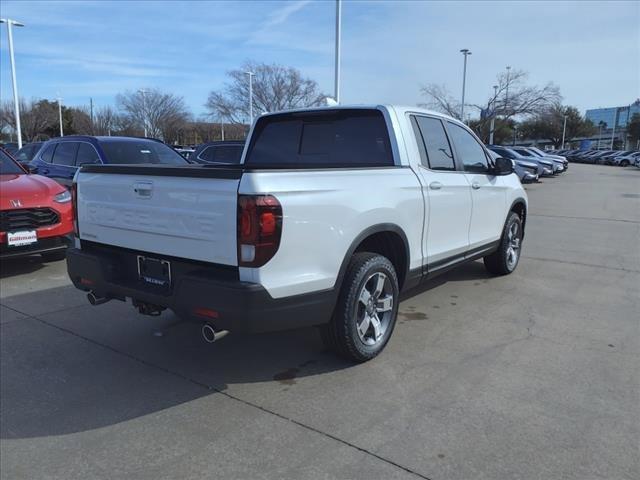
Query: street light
point(564, 129)
point(336, 81)
point(60, 114)
point(251, 74)
point(493, 114)
point(10, 23)
point(144, 110)
point(506, 95)
point(466, 52)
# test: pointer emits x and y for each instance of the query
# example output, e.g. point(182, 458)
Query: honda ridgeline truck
point(331, 213)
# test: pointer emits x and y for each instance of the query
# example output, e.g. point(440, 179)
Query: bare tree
point(160, 113)
point(439, 99)
point(36, 117)
point(275, 88)
point(105, 121)
point(513, 97)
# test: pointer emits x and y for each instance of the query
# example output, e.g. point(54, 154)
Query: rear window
point(341, 138)
point(127, 152)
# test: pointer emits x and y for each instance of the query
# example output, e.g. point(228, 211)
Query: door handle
point(435, 185)
point(475, 185)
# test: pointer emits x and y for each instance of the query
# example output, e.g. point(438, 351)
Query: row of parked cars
point(530, 163)
point(621, 158)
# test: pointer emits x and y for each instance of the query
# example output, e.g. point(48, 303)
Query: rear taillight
point(259, 229)
point(74, 202)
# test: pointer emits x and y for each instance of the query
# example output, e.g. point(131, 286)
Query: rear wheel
point(367, 308)
point(505, 260)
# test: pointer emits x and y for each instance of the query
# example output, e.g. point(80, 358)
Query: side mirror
point(30, 168)
point(503, 166)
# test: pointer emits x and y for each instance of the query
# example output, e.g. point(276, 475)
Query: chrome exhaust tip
point(95, 300)
point(211, 335)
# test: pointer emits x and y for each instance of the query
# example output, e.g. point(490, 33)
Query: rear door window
point(65, 154)
point(227, 154)
point(47, 153)
point(86, 155)
point(329, 138)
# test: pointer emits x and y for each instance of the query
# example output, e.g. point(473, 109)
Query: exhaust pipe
point(94, 300)
point(211, 335)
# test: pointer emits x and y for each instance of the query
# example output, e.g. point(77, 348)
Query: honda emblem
point(15, 203)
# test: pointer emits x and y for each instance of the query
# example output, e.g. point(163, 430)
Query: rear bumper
point(199, 292)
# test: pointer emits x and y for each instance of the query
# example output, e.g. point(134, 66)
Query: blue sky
point(591, 50)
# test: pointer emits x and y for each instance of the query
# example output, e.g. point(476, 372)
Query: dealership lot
point(533, 375)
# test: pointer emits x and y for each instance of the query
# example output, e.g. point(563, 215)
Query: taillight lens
point(259, 229)
point(74, 202)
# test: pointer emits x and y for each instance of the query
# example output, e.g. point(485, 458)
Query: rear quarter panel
point(324, 211)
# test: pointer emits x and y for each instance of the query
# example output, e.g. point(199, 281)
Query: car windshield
point(8, 166)
point(127, 152)
point(524, 152)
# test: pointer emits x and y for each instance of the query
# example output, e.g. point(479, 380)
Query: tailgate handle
point(143, 189)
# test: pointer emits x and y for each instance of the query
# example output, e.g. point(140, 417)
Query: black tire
point(342, 333)
point(54, 256)
point(624, 163)
point(502, 262)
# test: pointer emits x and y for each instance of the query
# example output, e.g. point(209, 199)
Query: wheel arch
point(386, 239)
point(519, 206)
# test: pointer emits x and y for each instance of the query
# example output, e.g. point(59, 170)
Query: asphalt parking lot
point(531, 376)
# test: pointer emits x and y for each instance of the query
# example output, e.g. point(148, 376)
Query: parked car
point(626, 158)
point(545, 167)
point(556, 165)
point(528, 172)
point(26, 153)
point(542, 154)
point(184, 151)
point(59, 158)
point(224, 152)
point(36, 214)
point(11, 148)
point(323, 224)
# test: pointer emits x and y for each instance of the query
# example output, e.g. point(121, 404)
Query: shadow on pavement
point(10, 267)
point(84, 367)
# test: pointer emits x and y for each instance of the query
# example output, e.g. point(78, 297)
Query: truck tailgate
point(175, 211)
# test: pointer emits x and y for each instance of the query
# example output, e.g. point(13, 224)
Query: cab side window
point(470, 153)
point(435, 150)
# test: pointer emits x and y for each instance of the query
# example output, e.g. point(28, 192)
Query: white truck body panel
point(183, 217)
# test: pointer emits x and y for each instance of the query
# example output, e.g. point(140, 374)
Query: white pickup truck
point(330, 215)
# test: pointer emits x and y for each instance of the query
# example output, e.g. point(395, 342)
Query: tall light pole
point(144, 109)
point(506, 95)
point(613, 134)
point(493, 114)
point(336, 80)
point(10, 23)
point(466, 52)
point(251, 74)
point(564, 129)
point(60, 114)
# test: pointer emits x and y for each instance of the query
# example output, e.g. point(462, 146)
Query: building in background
point(614, 118)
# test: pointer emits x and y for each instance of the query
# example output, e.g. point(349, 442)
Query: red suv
point(36, 214)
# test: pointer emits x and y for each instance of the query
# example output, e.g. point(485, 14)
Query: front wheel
point(367, 308)
point(505, 260)
point(624, 163)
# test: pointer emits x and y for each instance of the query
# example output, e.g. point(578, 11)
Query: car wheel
point(624, 163)
point(54, 256)
point(505, 260)
point(367, 308)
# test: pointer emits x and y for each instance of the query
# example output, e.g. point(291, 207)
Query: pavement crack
point(228, 395)
point(583, 264)
point(585, 218)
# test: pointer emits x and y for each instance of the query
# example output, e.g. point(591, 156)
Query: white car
point(330, 215)
point(629, 158)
